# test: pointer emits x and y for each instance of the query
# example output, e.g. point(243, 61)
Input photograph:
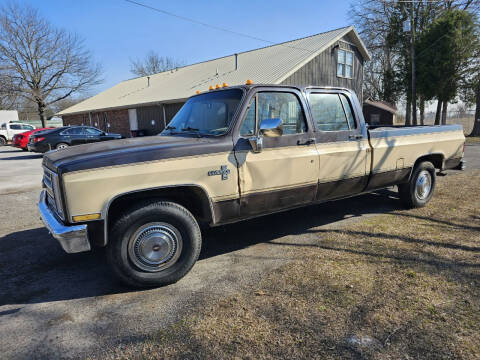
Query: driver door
point(285, 172)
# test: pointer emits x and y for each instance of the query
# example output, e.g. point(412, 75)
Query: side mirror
point(269, 128)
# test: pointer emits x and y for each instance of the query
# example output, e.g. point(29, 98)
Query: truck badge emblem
point(223, 171)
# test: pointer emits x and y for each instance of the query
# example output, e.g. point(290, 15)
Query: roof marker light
point(224, 84)
point(217, 86)
point(210, 87)
point(249, 82)
point(197, 92)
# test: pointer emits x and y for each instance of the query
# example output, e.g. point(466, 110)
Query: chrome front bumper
point(73, 239)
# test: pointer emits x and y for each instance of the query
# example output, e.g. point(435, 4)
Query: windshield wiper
point(188, 128)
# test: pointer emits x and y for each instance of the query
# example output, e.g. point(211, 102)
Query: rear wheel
point(61, 146)
point(3, 141)
point(153, 244)
point(419, 190)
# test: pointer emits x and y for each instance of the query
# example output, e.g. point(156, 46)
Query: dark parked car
point(64, 137)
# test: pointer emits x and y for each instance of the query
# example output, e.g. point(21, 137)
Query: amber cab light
point(210, 87)
point(249, 82)
point(217, 86)
point(224, 84)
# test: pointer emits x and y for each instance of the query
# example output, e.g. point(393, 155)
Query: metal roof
point(268, 65)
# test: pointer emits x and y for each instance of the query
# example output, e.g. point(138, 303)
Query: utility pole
point(414, 79)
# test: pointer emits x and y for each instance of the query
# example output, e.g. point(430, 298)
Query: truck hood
point(129, 151)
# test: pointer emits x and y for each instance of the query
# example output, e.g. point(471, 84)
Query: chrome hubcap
point(155, 247)
point(423, 185)
point(61, 146)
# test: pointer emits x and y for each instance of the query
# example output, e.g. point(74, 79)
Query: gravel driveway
point(66, 306)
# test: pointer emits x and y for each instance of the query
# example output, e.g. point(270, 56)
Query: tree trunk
point(422, 110)
point(414, 80)
point(41, 113)
point(438, 113)
point(444, 112)
point(476, 123)
point(408, 113)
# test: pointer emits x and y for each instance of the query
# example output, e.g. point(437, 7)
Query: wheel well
point(435, 159)
point(193, 198)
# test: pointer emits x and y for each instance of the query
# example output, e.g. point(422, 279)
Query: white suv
point(9, 129)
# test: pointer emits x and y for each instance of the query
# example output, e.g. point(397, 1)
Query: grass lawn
point(404, 285)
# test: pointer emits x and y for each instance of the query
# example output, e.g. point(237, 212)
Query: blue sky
point(116, 31)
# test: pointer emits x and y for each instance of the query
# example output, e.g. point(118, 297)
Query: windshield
point(207, 114)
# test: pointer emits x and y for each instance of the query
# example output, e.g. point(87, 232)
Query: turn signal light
point(38, 139)
point(224, 84)
point(249, 82)
point(87, 217)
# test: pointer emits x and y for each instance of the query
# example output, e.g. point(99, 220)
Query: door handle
point(355, 137)
point(307, 142)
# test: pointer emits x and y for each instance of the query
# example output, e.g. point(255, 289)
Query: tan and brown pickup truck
point(228, 155)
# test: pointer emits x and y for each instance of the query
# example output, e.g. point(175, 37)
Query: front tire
point(3, 141)
point(419, 190)
point(154, 244)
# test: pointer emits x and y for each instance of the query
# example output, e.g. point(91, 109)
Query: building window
point(345, 63)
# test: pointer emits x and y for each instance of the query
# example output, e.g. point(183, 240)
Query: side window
point(4, 126)
point(73, 131)
point(92, 131)
point(16, 127)
point(271, 105)
point(348, 111)
point(327, 111)
point(284, 106)
point(248, 126)
point(27, 127)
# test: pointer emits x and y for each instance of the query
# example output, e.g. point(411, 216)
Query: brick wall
point(117, 119)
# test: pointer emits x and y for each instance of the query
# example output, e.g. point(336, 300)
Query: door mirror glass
point(272, 127)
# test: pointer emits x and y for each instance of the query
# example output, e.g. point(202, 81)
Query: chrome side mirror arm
point(256, 142)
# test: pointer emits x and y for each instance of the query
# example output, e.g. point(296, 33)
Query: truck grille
point(52, 186)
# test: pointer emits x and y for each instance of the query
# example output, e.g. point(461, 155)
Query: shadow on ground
point(35, 269)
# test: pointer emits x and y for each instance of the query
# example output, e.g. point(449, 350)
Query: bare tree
point(41, 63)
point(153, 64)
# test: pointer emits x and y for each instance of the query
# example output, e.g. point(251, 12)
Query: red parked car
point(21, 140)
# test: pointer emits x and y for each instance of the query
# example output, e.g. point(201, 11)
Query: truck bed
point(397, 149)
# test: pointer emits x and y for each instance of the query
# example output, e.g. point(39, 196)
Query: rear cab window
point(331, 112)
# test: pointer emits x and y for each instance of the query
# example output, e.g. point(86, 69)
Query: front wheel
point(154, 244)
point(3, 141)
point(61, 146)
point(419, 190)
